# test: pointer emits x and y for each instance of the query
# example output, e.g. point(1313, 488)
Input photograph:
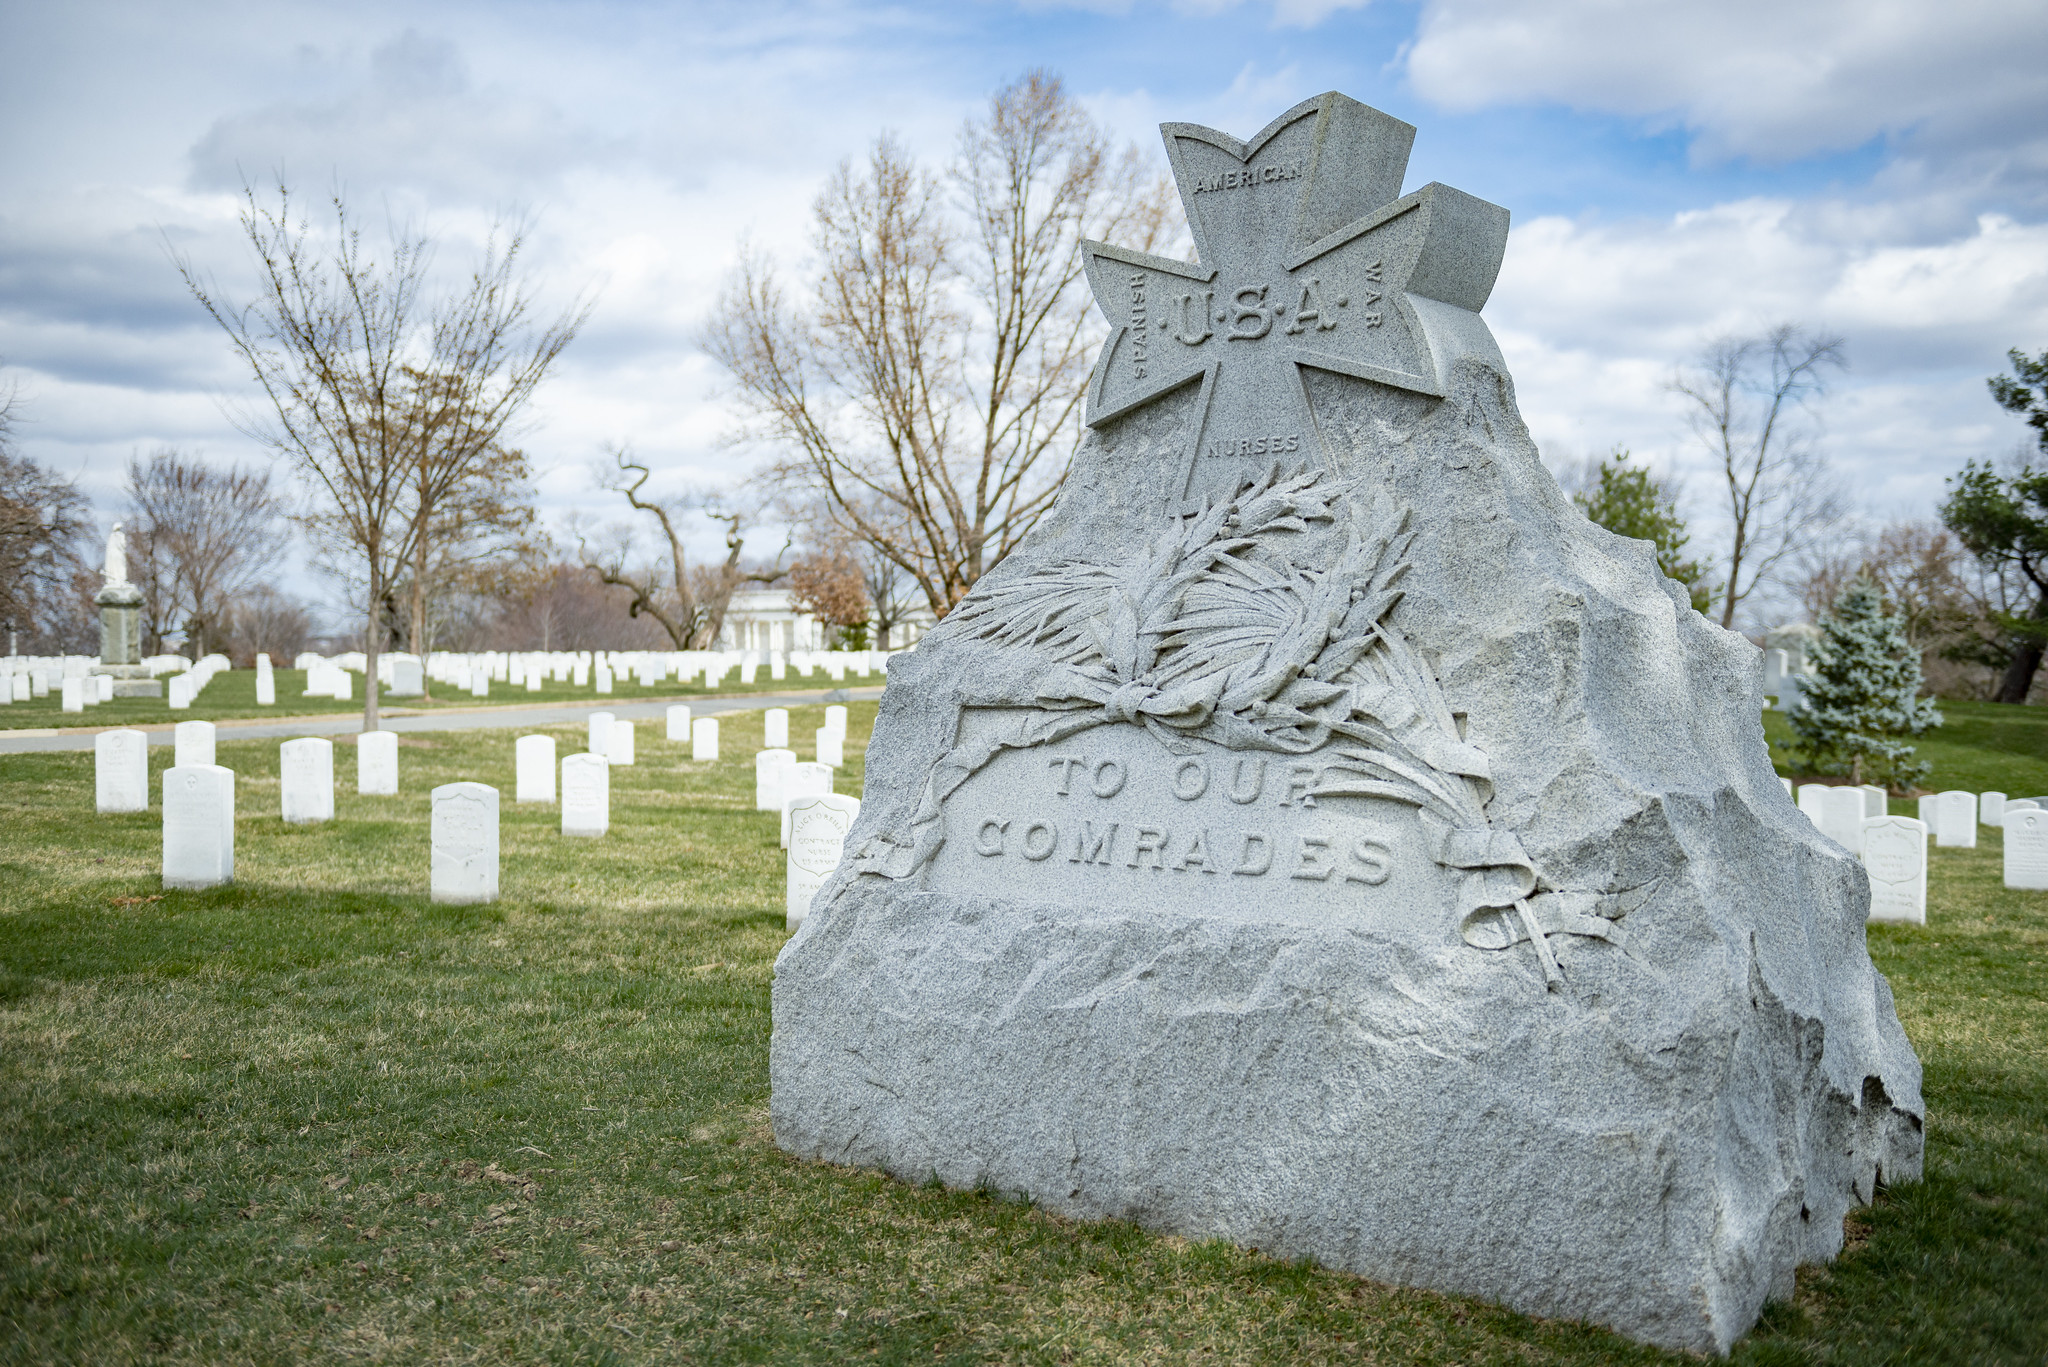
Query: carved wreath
point(1216, 633)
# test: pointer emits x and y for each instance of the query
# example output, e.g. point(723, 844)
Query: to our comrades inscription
point(1113, 818)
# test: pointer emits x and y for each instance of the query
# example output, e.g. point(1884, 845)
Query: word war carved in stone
point(1310, 256)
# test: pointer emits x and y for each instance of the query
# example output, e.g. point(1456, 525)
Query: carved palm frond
point(1052, 610)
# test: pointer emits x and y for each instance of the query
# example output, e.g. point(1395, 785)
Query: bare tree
point(1750, 401)
point(929, 387)
point(45, 530)
point(263, 619)
point(206, 534)
point(467, 491)
point(689, 603)
point(376, 388)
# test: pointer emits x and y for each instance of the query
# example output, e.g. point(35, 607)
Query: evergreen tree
point(1626, 500)
point(1864, 696)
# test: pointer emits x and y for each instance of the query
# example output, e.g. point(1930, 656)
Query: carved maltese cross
point(1310, 256)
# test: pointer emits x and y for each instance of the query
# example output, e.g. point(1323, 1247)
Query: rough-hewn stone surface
point(1500, 717)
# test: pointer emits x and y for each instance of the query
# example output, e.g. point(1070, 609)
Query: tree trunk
point(418, 630)
point(2026, 661)
point(2019, 675)
point(373, 635)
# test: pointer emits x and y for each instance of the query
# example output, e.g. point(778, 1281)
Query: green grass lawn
point(232, 695)
point(1980, 747)
point(313, 1117)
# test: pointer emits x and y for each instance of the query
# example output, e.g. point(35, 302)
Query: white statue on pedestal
point(117, 556)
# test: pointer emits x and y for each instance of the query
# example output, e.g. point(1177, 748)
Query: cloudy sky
point(1676, 172)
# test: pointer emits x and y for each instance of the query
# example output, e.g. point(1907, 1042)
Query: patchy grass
point(232, 695)
point(314, 1117)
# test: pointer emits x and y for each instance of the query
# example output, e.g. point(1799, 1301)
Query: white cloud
point(415, 123)
point(1594, 316)
point(1758, 78)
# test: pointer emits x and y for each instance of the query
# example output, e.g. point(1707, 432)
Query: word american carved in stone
point(1245, 179)
point(1325, 266)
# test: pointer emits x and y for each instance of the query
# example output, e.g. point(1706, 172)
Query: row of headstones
point(48, 672)
point(199, 798)
point(601, 669)
point(77, 688)
point(80, 690)
point(181, 689)
point(1894, 848)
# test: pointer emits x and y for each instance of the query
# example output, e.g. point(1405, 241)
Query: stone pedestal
point(121, 642)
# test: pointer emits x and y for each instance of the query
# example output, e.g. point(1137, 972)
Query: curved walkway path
point(451, 719)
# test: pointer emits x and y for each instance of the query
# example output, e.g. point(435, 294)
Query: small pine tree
point(1864, 695)
point(1627, 500)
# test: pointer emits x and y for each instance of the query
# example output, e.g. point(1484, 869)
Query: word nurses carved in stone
point(1320, 848)
point(1313, 259)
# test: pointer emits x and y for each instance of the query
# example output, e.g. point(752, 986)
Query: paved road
point(451, 719)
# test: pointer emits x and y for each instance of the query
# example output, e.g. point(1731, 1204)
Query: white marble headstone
point(479, 683)
point(604, 679)
point(2026, 849)
point(586, 795)
point(835, 718)
point(1841, 817)
point(817, 839)
point(1955, 820)
point(1991, 809)
point(305, 771)
point(678, 722)
point(600, 742)
point(266, 688)
point(533, 759)
point(377, 764)
point(704, 738)
point(1876, 801)
point(831, 746)
point(192, 744)
point(465, 843)
point(800, 780)
point(199, 826)
point(775, 728)
point(768, 767)
point(1895, 857)
point(121, 771)
point(74, 695)
point(1811, 795)
point(619, 743)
